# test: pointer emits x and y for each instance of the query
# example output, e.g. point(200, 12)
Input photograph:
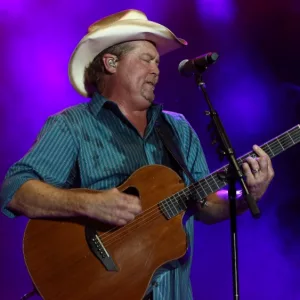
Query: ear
point(110, 63)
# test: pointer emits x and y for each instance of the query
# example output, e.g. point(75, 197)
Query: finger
point(253, 163)
point(124, 215)
point(116, 220)
point(259, 151)
point(120, 222)
point(130, 198)
point(127, 206)
point(263, 164)
point(133, 203)
point(271, 171)
point(134, 208)
point(247, 171)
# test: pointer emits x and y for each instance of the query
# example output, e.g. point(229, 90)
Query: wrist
point(81, 202)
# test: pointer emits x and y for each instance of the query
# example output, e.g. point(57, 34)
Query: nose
point(155, 69)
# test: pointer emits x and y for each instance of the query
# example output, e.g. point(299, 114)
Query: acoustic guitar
point(81, 259)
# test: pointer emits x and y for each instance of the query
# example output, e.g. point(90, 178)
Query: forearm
point(36, 199)
point(217, 208)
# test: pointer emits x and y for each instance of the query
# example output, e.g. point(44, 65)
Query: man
point(98, 145)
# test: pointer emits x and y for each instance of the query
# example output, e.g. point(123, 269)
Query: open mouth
point(152, 84)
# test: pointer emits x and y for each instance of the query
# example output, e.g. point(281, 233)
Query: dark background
point(254, 86)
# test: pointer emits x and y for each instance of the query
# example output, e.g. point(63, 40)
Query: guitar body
point(74, 259)
point(63, 266)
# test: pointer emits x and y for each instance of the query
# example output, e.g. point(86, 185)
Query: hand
point(259, 173)
point(112, 206)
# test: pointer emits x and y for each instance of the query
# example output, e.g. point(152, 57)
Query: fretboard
point(177, 203)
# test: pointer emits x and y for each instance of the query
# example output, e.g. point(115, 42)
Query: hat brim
point(125, 30)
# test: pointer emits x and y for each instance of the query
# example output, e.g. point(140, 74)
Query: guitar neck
point(175, 204)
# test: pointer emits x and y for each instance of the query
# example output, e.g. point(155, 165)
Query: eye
point(146, 60)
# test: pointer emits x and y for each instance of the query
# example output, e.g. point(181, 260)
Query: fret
point(206, 188)
point(172, 207)
point(271, 152)
point(163, 207)
point(199, 189)
point(175, 204)
point(199, 196)
point(286, 139)
point(220, 181)
point(267, 150)
point(286, 142)
point(215, 181)
point(203, 188)
point(276, 148)
point(295, 136)
point(179, 200)
point(291, 138)
point(211, 183)
point(208, 184)
point(280, 144)
point(182, 203)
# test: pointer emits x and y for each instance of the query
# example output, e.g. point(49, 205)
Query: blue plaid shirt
point(92, 145)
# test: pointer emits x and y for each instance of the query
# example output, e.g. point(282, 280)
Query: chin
point(149, 98)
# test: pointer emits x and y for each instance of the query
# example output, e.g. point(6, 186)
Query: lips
point(150, 82)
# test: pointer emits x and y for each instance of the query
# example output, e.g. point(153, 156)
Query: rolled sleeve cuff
point(9, 188)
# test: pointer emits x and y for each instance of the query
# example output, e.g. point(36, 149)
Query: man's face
point(138, 73)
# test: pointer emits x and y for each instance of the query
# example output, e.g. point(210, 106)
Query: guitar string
point(149, 212)
point(210, 178)
point(168, 200)
point(147, 218)
point(119, 237)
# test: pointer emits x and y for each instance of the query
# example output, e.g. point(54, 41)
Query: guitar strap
point(166, 133)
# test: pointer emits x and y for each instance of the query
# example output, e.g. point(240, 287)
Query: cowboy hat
point(128, 25)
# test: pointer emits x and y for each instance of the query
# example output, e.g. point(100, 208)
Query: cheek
point(139, 78)
point(136, 76)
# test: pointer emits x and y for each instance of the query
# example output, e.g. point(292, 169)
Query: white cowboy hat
point(120, 27)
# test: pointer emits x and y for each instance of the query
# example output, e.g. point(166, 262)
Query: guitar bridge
point(99, 250)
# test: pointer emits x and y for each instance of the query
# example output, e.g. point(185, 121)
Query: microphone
point(189, 67)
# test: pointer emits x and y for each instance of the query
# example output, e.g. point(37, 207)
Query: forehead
point(145, 47)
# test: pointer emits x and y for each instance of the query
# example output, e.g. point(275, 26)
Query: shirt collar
point(98, 101)
point(96, 104)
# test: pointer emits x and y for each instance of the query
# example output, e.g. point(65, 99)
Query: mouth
point(151, 84)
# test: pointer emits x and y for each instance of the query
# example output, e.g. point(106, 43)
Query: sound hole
point(132, 191)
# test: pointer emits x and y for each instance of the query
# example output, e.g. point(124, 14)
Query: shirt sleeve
point(50, 159)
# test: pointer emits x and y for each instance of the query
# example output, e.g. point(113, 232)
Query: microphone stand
point(233, 175)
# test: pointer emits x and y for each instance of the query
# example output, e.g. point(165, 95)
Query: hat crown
point(129, 14)
point(124, 26)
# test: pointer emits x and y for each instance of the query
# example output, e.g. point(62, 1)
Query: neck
point(126, 104)
point(136, 114)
